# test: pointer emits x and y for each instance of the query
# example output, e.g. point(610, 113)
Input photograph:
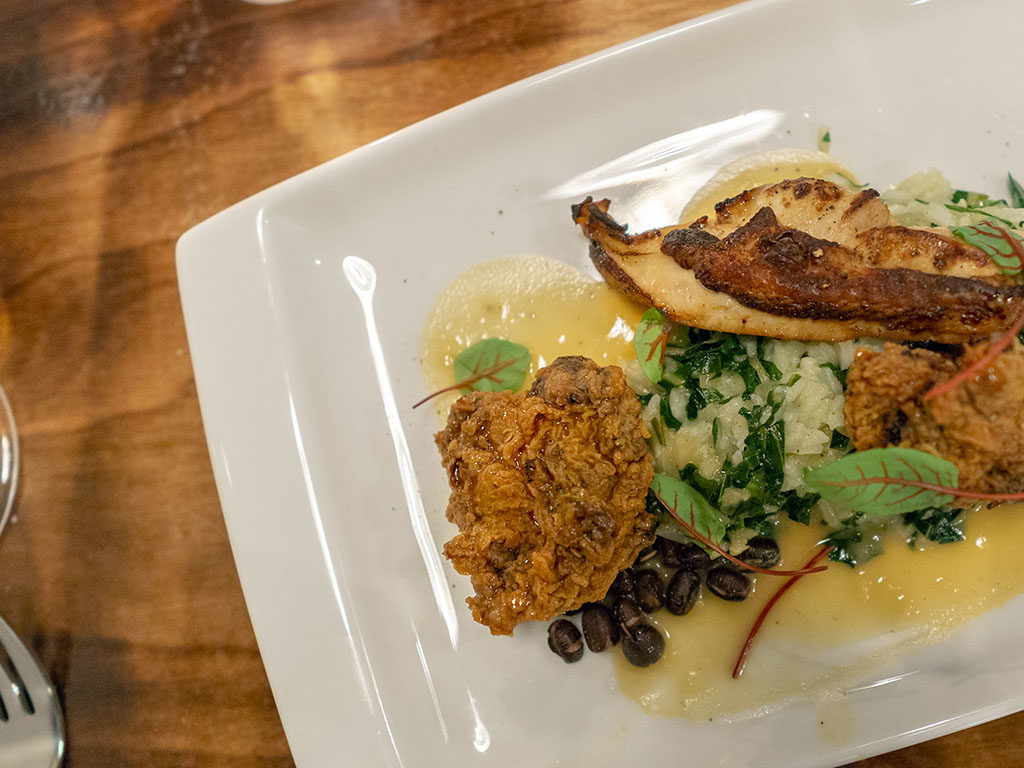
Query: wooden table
point(122, 124)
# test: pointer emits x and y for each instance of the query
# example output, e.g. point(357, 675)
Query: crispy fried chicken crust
point(805, 259)
point(548, 491)
point(979, 426)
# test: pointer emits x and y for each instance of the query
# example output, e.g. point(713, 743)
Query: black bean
point(623, 585)
point(644, 646)
point(692, 557)
point(762, 552)
point(599, 627)
point(669, 551)
point(628, 613)
point(565, 640)
point(647, 553)
point(727, 583)
point(650, 590)
point(682, 592)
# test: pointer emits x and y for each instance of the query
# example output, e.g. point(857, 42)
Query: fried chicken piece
point(979, 425)
point(548, 491)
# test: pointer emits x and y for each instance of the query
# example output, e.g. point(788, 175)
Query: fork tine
point(33, 735)
point(22, 697)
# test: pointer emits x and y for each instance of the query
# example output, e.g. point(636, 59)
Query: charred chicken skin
point(805, 259)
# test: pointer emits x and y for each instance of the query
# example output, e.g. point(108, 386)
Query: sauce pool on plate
point(546, 305)
point(831, 627)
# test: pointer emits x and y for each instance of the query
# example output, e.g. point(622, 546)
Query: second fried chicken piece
point(548, 491)
point(979, 426)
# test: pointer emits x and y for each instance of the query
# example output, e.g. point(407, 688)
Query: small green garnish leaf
point(649, 341)
point(886, 481)
point(1016, 192)
point(1002, 244)
point(769, 367)
point(665, 410)
point(477, 367)
point(490, 365)
point(943, 525)
point(698, 400)
point(690, 507)
point(798, 508)
point(851, 545)
point(839, 441)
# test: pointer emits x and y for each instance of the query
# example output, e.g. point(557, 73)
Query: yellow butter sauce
point(762, 168)
point(831, 627)
point(546, 305)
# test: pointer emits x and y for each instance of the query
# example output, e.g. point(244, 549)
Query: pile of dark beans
point(669, 576)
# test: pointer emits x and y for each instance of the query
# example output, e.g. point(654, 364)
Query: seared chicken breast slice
point(805, 259)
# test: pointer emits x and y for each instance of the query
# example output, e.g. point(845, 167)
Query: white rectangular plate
point(335, 555)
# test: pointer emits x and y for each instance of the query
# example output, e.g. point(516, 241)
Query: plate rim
point(192, 252)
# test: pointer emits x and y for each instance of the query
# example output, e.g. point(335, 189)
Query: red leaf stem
point(469, 381)
point(660, 342)
point(958, 492)
point(691, 528)
point(741, 662)
point(990, 354)
point(1015, 245)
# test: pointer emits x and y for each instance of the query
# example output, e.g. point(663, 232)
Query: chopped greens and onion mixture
point(995, 225)
point(754, 427)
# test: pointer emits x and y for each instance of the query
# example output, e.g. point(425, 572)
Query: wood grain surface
point(122, 124)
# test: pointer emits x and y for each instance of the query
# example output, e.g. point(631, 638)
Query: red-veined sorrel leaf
point(687, 503)
point(486, 354)
point(490, 365)
point(886, 481)
point(692, 517)
point(1003, 245)
point(649, 341)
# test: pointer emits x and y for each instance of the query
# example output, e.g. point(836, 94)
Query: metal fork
point(31, 723)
